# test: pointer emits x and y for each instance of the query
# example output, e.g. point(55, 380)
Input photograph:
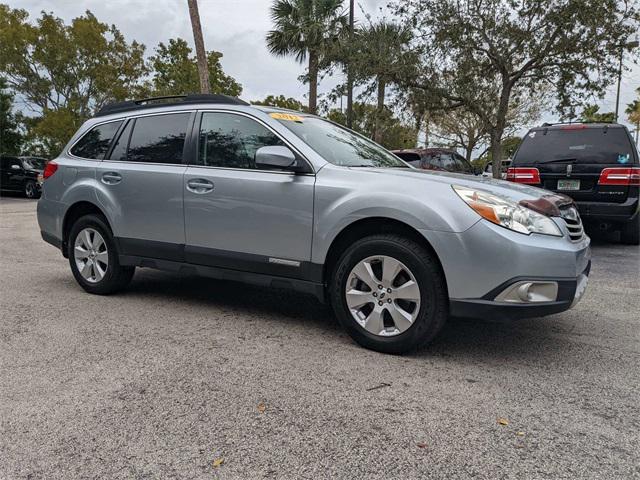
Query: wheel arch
point(73, 213)
point(371, 226)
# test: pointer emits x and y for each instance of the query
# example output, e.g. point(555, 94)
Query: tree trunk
point(497, 130)
point(377, 131)
point(201, 54)
point(313, 82)
point(350, 71)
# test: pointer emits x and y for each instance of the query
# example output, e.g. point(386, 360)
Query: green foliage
point(395, 134)
point(590, 113)
point(10, 137)
point(175, 71)
point(65, 72)
point(308, 30)
point(478, 54)
point(281, 101)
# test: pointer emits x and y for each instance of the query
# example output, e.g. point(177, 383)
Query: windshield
point(585, 145)
point(33, 163)
point(338, 145)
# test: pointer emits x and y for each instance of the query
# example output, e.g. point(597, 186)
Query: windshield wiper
point(567, 160)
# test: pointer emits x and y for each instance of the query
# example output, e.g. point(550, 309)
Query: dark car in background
point(596, 164)
point(21, 175)
point(436, 159)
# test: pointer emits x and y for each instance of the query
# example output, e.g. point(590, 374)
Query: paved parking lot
point(180, 372)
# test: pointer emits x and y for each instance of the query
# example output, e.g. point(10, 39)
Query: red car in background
point(441, 159)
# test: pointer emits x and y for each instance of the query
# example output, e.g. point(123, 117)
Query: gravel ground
point(177, 373)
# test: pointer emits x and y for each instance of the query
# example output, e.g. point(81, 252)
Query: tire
point(630, 232)
point(429, 314)
point(30, 189)
point(104, 275)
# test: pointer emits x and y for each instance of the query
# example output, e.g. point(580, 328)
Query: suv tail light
point(50, 169)
point(620, 176)
point(523, 175)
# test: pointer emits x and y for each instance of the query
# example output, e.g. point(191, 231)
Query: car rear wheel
point(30, 189)
point(94, 259)
point(630, 232)
point(389, 294)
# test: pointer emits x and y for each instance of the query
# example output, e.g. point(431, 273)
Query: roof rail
point(550, 124)
point(131, 105)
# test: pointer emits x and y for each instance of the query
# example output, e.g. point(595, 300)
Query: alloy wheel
point(91, 256)
point(383, 295)
point(30, 190)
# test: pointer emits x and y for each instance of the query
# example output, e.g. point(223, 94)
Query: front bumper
point(486, 260)
point(570, 291)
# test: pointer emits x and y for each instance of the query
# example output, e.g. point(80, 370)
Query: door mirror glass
point(275, 156)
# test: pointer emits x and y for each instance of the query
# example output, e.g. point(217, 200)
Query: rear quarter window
point(578, 145)
point(95, 144)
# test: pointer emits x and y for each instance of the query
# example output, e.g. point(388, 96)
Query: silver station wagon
point(210, 185)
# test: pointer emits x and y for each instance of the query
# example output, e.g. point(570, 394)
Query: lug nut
point(388, 300)
point(375, 294)
point(388, 290)
point(380, 303)
point(380, 287)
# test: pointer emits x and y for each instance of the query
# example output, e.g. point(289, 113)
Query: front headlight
point(507, 213)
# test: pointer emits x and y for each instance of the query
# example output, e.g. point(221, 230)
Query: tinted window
point(95, 143)
point(412, 159)
point(6, 162)
point(158, 139)
point(578, 145)
point(119, 151)
point(33, 163)
point(228, 140)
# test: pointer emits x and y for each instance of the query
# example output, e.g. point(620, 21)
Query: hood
point(514, 191)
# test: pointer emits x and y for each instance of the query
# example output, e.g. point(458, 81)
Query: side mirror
point(275, 157)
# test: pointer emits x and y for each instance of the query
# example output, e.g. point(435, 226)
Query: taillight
point(620, 176)
point(523, 175)
point(50, 169)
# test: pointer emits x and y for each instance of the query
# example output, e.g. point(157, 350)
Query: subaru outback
point(210, 185)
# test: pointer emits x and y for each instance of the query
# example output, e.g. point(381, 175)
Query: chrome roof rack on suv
point(578, 122)
point(131, 105)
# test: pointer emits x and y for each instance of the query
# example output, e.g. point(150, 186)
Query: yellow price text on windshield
point(286, 116)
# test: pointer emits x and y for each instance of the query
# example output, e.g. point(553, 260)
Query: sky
point(237, 28)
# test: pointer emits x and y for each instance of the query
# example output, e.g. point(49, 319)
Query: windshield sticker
point(532, 135)
point(286, 116)
point(622, 158)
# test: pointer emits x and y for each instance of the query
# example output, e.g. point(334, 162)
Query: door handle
point(199, 185)
point(111, 178)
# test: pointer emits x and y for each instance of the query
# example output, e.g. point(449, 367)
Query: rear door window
point(95, 144)
point(576, 145)
point(158, 139)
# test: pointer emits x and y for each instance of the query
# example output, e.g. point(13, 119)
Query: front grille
point(573, 222)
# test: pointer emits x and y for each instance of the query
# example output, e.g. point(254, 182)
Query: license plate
point(568, 184)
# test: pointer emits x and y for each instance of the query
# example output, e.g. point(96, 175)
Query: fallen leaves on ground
point(422, 445)
point(261, 407)
point(217, 462)
point(503, 421)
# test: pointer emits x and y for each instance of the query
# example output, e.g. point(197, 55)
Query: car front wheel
point(389, 293)
point(94, 259)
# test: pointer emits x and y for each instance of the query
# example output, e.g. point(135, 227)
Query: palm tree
point(382, 54)
point(633, 112)
point(306, 29)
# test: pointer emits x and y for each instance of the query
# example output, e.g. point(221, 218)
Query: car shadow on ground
point(460, 337)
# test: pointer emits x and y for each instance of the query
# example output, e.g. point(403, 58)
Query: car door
point(237, 216)
point(141, 185)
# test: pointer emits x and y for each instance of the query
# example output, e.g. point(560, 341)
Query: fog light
point(529, 291)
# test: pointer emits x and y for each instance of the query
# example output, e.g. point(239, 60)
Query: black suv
point(21, 174)
point(594, 163)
